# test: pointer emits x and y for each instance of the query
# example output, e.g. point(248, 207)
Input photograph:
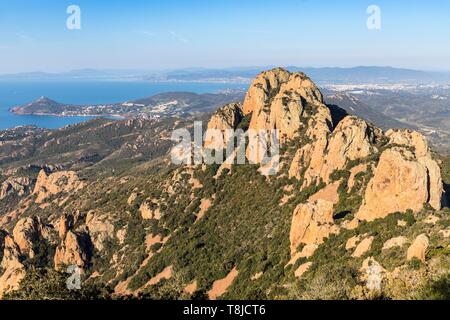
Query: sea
point(17, 93)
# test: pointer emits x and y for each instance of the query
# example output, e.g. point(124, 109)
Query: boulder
point(150, 211)
point(394, 242)
point(302, 269)
point(418, 248)
point(372, 273)
point(352, 242)
point(363, 247)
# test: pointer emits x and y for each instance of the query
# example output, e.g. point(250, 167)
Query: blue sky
point(222, 33)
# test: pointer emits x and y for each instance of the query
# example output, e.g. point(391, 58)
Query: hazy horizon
point(267, 67)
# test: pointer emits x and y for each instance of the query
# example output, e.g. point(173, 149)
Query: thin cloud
point(147, 33)
point(178, 37)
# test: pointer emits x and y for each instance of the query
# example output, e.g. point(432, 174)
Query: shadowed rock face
point(74, 250)
point(224, 121)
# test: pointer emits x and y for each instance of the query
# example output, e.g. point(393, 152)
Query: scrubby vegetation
point(47, 284)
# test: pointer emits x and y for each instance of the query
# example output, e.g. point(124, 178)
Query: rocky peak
point(263, 87)
point(277, 99)
point(269, 84)
point(61, 181)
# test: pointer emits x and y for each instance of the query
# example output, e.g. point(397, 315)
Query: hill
point(343, 211)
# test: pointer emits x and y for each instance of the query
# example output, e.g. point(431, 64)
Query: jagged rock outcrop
point(64, 224)
point(278, 100)
point(422, 152)
point(74, 250)
point(352, 139)
point(311, 223)
point(28, 232)
point(221, 126)
point(62, 181)
point(19, 186)
point(406, 177)
point(12, 267)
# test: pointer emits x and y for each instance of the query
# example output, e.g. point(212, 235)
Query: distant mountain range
point(362, 74)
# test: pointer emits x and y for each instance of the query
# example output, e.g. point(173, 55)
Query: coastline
point(118, 116)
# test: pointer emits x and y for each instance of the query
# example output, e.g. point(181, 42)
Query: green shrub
point(438, 289)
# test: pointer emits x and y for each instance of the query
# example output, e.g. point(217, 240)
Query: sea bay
point(17, 93)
